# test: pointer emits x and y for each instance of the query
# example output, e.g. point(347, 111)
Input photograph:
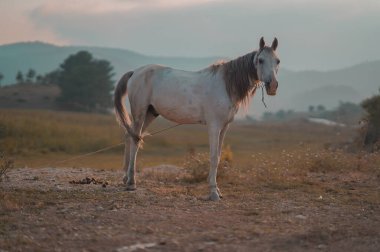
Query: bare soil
point(42, 211)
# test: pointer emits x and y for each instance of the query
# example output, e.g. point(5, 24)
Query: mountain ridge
point(297, 89)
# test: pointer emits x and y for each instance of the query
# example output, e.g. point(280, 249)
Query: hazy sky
point(312, 34)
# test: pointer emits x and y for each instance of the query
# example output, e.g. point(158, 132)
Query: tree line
point(29, 77)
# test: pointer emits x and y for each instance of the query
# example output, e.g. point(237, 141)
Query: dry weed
point(162, 175)
point(290, 169)
point(5, 165)
point(197, 166)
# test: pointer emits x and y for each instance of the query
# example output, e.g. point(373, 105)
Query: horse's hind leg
point(140, 125)
point(150, 116)
point(126, 158)
point(134, 147)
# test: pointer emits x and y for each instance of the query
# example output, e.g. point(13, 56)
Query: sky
point(312, 34)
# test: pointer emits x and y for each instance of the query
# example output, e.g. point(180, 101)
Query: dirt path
point(42, 211)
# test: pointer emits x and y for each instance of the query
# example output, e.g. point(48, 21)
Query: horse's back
point(178, 95)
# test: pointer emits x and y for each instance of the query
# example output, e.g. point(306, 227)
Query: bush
point(198, 165)
point(371, 132)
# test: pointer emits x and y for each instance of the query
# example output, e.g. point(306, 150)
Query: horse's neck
point(240, 76)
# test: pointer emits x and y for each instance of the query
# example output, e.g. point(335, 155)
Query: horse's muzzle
point(271, 87)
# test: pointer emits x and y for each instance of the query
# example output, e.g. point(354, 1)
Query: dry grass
point(41, 138)
point(197, 166)
point(5, 165)
point(32, 132)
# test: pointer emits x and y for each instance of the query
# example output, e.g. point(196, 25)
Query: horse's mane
point(239, 76)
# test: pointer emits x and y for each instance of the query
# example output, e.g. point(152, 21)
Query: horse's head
point(267, 64)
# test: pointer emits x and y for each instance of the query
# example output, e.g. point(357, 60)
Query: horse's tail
point(121, 112)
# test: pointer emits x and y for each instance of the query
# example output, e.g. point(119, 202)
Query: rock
point(135, 247)
point(301, 217)
point(321, 246)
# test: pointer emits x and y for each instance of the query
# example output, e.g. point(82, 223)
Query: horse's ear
point(262, 43)
point(274, 44)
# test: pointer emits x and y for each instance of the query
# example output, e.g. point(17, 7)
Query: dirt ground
point(42, 211)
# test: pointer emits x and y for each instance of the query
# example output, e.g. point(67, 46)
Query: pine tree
point(30, 75)
point(19, 77)
point(86, 83)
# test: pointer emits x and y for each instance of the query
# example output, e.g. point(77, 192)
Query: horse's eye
point(261, 61)
point(278, 62)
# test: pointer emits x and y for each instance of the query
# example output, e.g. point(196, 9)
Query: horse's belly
point(179, 109)
point(178, 96)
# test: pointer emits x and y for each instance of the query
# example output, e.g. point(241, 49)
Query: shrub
point(198, 165)
point(371, 132)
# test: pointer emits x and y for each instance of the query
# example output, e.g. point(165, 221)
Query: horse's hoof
point(131, 187)
point(220, 194)
point(125, 179)
point(214, 196)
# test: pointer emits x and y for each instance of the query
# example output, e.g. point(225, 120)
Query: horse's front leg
point(214, 132)
point(220, 147)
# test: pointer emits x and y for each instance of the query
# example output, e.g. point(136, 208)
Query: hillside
point(44, 58)
point(349, 84)
point(29, 96)
point(297, 89)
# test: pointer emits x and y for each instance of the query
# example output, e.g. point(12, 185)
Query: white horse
point(211, 96)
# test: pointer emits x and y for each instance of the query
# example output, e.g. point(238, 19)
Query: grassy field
point(293, 186)
point(40, 138)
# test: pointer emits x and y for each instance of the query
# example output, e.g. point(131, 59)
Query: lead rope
point(261, 83)
point(262, 95)
point(110, 147)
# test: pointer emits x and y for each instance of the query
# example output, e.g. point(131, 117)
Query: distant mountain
point(304, 88)
point(297, 90)
point(45, 58)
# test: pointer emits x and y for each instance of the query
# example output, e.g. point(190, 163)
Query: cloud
point(312, 34)
point(16, 26)
point(99, 7)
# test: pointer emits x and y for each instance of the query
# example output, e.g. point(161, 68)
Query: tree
point(1, 78)
point(39, 79)
point(347, 112)
point(280, 115)
point(321, 108)
point(30, 75)
point(19, 77)
point(267, 116)
point(85, 83)
point(50, 78)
